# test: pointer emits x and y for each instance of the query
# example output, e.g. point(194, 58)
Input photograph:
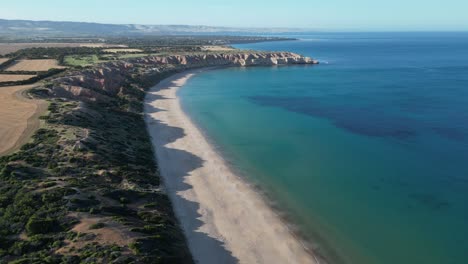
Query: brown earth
point(15, 77)
point(35, 65)
point(6, 48)
point(122, 50)
point(217, 48)
point(112, 233)
point(19, 117)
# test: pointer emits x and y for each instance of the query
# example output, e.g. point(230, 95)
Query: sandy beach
point(224, 219)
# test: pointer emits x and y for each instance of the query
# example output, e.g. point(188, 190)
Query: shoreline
point(224, 218)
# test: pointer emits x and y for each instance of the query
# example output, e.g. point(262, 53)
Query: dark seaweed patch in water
point(365, 121)
point(454, 134)
point(369, 121)
point(430, 200)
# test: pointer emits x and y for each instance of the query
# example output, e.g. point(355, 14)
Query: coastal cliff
point(87, 187)
point(106, 80)
point(232, 59)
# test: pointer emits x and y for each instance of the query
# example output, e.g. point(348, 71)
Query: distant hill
point(21, 28)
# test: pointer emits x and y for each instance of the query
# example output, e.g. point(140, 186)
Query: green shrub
point(97, 226)
point(38, 225)
point(150, 205)
point(48, 184)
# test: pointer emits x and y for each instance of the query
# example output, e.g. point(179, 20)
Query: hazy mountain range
point(54, 28)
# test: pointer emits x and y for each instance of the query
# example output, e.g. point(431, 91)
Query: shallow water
point(367, 152)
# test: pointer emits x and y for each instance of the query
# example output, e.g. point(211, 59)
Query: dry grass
point(3, 60)
point(101, 45)
point(6, 48)
point(14, 77)
point(19, 117)
point(111, 234)
point(34, 65)
point(216, 48)
point(122, 50)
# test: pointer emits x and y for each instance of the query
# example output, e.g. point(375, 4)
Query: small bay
point(367, 153)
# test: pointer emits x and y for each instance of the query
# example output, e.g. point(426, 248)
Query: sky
point(324, 15)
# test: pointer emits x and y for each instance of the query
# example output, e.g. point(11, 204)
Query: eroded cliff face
point(102, 82)
point(233, 59)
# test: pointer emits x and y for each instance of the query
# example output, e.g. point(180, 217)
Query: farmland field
point(129, 56)
point(132, 55)
point(216, 48)
point(2, 60)
point(18, 117)
point(122, 50)
point(80, 60)
point(34, 65)
point(6, 48)
point(14, 77)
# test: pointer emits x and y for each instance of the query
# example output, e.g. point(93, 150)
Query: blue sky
point(331, 15)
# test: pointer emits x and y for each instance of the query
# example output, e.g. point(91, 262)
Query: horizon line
point(293, 29)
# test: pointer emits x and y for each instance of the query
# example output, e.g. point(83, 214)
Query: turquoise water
point(367, 153)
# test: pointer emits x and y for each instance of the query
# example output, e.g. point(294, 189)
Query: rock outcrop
point(233, 59)
point(102, 82)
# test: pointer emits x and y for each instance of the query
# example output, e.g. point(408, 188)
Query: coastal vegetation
point(49, 56)
point(87, 160)
point(86, 188)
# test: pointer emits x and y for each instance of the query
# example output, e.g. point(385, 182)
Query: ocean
point(365, 154)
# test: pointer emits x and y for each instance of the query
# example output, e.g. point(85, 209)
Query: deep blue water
point(367, 152)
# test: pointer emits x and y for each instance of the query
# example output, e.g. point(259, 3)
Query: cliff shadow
point(201, 244)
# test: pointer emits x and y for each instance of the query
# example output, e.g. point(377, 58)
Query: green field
point(81, 60)
point(135, 55)
point(129, 55)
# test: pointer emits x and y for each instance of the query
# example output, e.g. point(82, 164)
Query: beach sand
point(224, 219)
